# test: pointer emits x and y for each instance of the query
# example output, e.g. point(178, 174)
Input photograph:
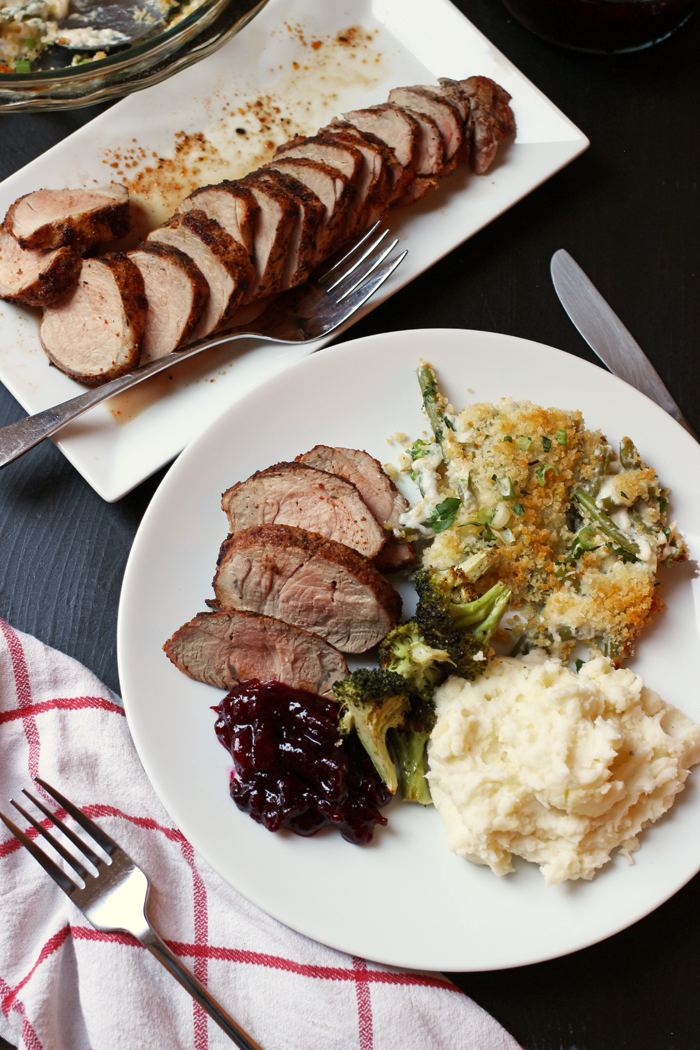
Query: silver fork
point(300, 316)
point(115, 898)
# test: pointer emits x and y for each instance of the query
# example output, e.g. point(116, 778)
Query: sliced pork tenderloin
point(302, 248)
point(366, 473)
point(492, 117)
point(340, 156)
point(377, 490)
point(222, 648)
point(274, 224)
point(334, 191)
point(33, 276)
point(94, 331)
point(225, 264)
point(300, 495)
point(394, 170)
point(446, 117)
point(375, 181)
point(311, 582)
point(79, 219)
point(451, 91)
point(232, 205)
point(177, 294)
point(431, 153)
point(399, 130)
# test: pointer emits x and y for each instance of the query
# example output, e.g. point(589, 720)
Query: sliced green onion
point(517, 508)
point(501, 516)
point(505, 487)
point(524, 443)
point(561, 437)
point(585, 539)
point(23, 65)
point(547, 444)
point(29, 43)
point(541, 472)
point(484, 516)
point(507, 438)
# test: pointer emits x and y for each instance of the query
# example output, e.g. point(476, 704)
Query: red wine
point(602, 25)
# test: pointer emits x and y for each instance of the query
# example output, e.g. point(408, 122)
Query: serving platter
point(147, 142)
point(405, 899)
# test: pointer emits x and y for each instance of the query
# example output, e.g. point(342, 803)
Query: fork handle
point(17, 438)
point(170, 961)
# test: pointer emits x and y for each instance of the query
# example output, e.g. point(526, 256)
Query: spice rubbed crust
point(580, 531)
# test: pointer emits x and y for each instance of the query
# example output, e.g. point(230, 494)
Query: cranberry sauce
point(602, 25)
point(292, 769)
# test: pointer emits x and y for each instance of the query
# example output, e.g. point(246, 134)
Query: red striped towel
point(65, 986)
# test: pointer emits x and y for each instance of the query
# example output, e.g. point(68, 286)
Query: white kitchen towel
point(65, 986)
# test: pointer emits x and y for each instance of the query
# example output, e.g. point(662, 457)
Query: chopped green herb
point(517, 508)
point(418, 449)
point(547, 444)
point(622, 553)
point(444, 514)
point(579, 665)
point(507, 438)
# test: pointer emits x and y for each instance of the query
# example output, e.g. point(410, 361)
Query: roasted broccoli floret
point(406, 652)
point(451, 617)
point(372, 701)
point(408, 744)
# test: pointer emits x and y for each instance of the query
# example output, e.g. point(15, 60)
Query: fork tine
point(324, 274)
point(68, 832)
point(358, 262)
point(366, 288)
point(68, 857)
point(60, 877)
point(383, 255)
point(101, 838)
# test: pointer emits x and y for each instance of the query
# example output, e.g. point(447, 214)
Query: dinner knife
point(607, 336)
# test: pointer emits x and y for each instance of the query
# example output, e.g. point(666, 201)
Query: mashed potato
point(556, 767)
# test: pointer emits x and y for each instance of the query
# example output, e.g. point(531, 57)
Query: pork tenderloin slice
point(274, 224)
point(232, 205)
point(431, 152)
point(312, 499)
point(375, 180)
point(302, 249)
point(93, 332)
point(333, 190)
point(394, 170)
point(426, 100)
point(341, 157)
point(306, 580)
point(492, 117)
point(397, 554)
point(222, 648)
point(177, 294)
point(32, 276)
point(224, 263)
point(399, 130)
point(368, 476)
point(78, 218)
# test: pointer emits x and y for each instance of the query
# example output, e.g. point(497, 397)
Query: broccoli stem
point(606, 525)
point(480, 611)
point(409, 747)
point(484, 631)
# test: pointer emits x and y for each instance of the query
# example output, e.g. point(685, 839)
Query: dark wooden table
point(628, 211)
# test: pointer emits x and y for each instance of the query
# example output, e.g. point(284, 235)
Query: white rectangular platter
point(292, 69)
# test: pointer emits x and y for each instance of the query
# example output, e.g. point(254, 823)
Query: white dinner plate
point(404, 899)
point(412, 41)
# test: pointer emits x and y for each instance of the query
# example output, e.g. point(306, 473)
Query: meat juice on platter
point(603, 26)
point(292, 769)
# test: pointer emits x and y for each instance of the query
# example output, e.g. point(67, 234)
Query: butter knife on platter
point(607, 336)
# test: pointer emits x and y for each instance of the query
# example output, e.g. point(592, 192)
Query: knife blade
point(607, 336)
